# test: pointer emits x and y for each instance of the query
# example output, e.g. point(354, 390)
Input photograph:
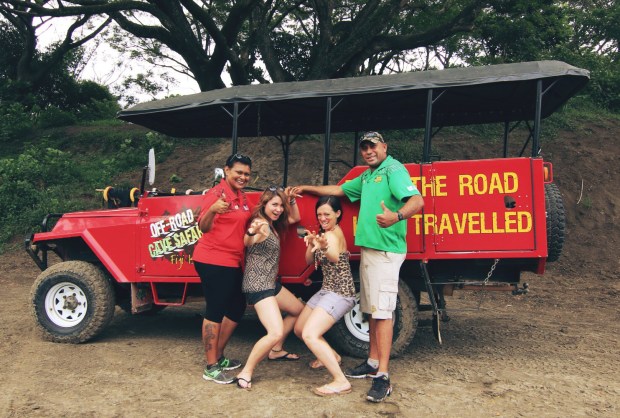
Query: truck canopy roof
point(461, 96)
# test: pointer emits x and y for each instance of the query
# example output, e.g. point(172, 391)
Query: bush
point(53, 117)
point(15, 122)
point(36, 182)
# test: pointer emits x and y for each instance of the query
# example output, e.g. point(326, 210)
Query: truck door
point(168, 232)
point(482, 205)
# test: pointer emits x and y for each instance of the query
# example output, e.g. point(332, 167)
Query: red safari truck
point(484, 221)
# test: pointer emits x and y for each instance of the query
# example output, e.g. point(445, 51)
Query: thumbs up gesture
point(387, 217)
point(220, 205)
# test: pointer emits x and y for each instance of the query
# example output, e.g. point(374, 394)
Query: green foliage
point(52, 117)
point(36, 182)
point(517, 30)
point(175, 179)
point(15, 122)
point(604, 86)
point(44, 178)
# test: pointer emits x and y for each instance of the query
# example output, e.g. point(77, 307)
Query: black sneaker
point(380, 389)
point(361, 371)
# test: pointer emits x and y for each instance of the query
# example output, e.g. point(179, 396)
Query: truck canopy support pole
point(536, 137)
point(234, 130)
point(328, 140)
point(286, 149)
point(427, 129)
point(506, 130)
point(356, 151)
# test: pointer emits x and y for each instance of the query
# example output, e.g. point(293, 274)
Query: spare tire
point(350, 335)
point(556, 221)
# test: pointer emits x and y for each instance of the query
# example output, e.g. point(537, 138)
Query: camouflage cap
point(374, 137)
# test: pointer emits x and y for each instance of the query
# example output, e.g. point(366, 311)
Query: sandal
point(317, 365)
point(330, 391)
point(286, 357)
point(248, 383)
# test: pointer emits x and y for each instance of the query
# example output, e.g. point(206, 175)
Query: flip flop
point(331, 391)
point(322, 366)
point(248, 383)
point(286, 357)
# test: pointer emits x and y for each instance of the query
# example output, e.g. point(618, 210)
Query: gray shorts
point(334, 304)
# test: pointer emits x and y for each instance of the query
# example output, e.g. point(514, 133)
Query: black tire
point(72, 302)
point(556, 221)
point(350, 334)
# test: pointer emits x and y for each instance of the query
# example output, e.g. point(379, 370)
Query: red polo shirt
point(223, 244)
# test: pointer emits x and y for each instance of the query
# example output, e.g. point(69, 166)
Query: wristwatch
point(400, 216)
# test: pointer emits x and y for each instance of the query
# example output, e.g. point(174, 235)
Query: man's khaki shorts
point(379, 272)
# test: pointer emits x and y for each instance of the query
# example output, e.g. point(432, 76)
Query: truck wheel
point(350, 334)
point(72, 302)
point(556, 221)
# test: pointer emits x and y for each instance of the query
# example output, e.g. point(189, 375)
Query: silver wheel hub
point(66, 304)
point(355, 322)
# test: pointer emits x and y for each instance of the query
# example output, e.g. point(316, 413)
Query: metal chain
point(486, 281)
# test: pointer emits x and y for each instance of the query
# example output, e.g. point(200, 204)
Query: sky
point(109, 67)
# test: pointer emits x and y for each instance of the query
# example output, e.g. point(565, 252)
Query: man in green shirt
point(387, 196)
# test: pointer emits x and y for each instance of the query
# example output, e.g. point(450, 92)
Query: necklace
point(333, 229)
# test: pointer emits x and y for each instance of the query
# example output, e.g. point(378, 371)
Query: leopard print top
point(261, 265)
point(337, 277)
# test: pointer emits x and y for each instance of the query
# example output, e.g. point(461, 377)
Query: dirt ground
point(553, 352)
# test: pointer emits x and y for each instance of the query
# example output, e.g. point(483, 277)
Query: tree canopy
point(248, 41)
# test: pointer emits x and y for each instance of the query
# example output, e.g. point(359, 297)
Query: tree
point(287, 39)
point(24, 68)
point(245, 41)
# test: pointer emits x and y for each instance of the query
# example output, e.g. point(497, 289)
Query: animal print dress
point(261, 265)
point(337, 277)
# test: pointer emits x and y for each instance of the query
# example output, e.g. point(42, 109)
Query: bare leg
point(210, 340)
point(316, 325)
point(271, 318)
point(287, 302)
point(373, 350)
point(383, 333)
point(299, 326)
point(301, 320)
point(317, 364)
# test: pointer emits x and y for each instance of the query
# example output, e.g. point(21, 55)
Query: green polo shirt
point(389, 183)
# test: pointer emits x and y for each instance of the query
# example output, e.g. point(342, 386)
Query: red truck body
point(484, 221)
point(465, 217)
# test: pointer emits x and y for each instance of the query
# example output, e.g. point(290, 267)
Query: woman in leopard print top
point(276, 209)
point(336, 297)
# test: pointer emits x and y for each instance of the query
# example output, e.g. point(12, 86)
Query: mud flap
point(141, 297)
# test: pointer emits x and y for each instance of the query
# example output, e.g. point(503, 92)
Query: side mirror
point(151, 166)
point(218, 175)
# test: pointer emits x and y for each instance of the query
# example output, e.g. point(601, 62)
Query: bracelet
point(400, 216)
point(249, 234)
point(292, 202)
